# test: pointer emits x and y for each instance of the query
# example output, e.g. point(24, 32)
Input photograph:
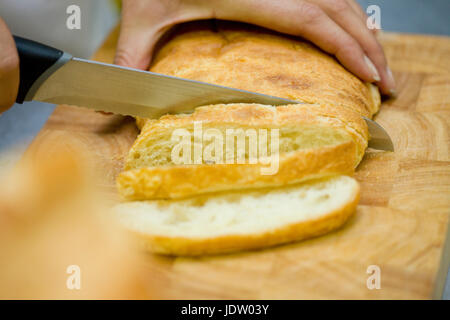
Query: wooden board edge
point(441, 275)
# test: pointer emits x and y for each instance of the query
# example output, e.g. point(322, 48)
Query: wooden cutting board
point(400, 226)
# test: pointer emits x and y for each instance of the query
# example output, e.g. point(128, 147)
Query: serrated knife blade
point(135, 92)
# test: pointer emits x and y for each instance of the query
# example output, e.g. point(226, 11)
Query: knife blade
point(378, 137)
point(53, 76)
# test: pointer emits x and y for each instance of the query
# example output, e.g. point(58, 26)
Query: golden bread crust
point(255, 59)
point(178, 181)
point(258, 116)
point(183, 181)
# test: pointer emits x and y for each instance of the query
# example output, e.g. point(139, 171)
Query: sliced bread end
point(229, 222)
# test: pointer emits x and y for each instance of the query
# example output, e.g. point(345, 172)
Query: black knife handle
point(35, 59)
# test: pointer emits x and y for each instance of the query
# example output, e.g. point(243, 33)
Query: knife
point(51, 75)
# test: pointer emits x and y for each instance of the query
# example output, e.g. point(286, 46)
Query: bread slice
point(228, 222)
point(314, 141)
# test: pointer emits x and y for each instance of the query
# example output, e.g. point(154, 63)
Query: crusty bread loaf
point(215, 207)
point(228, 222)
point(256, 59)
point(314, 141)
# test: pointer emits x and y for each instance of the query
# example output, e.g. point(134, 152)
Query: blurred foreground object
point(55, 233)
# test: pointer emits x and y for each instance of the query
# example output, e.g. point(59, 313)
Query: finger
point(358, 10)
point(341, 12)
point(361, 13)
point(317, 26)
point(134, 48)
point(104, 113)
point(135, 45)
point(9, 68)
point(308, 20)
point(144, 23)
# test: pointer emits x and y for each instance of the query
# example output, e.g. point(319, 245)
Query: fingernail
point(373, 69)
point(391, 82)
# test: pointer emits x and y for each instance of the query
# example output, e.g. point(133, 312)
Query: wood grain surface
point(400, 225)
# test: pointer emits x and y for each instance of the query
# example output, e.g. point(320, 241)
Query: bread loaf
point(208, 207)
point(256, 59)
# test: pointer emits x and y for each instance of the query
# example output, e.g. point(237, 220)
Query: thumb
point(144, 22)
point(134, 48)
point(9, 68)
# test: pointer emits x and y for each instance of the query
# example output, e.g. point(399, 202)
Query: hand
point(336, 26)
point(9, 68)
